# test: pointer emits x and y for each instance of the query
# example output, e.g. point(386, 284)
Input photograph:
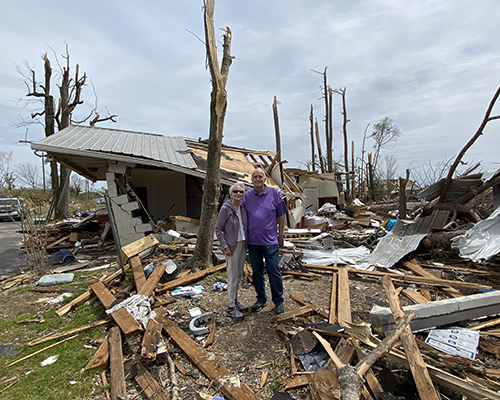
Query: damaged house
point(152, 178)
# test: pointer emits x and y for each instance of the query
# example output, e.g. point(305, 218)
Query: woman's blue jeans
point(270, 254)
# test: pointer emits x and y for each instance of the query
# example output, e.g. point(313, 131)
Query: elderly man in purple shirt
point(266, 210)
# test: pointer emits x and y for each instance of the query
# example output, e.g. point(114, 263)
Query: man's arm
point(281, 227)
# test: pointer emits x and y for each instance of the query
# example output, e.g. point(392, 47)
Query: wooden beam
point(332, 316)
point(292, 314)
point(404, 278)
point(152, 334)
point(122, 317)
point(418, 270)
point(414, 296)
point(137, 269)
point(228, 383)
point(101, 356)
point(149, 385)
point(418, 368)
point(153, 280)
point(117, 371)
point(139, 246)
point(344, 298)
point(320, 310)
point(193, 277)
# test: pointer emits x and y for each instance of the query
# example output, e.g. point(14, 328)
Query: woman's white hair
point(236, 184)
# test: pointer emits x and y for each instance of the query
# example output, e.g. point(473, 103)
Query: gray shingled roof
point(83, 140)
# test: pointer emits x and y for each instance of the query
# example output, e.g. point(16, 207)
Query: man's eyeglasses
point(238, 191)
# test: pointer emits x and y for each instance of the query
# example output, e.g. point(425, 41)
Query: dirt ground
point(253, 346)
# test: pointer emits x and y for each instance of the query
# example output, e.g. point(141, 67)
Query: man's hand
point(227, 252)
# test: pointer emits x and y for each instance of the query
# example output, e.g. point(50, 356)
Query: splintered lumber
point(194, 277)
point(299, 299)
point(153, 279)
point(117, 370)
point(418, 368)
point(294, 382)
point(39, 351)
point(122, 317)
point(139, 246)
point(292, 314)
point(139, 277)
point(332, 316)
point(149, 385)
point(228, 382)
point(414, 296)
point(101, 356)
point(418, 270)
point(344, 300)
point(53, 245)
point(88, 293)
point(211, 335)
point(404, 278)
point(152, 334)
point(82, 328)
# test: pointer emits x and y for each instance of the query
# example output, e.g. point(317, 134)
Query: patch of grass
point(221, 275)
point(52, 381)
point(275, 363)
point(18, 291)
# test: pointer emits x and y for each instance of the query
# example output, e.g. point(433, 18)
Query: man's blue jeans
point(270, 254)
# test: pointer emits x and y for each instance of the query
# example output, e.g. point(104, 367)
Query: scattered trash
point(220, 286)
point(187, 291)
point(458, 342)
point(49, 360)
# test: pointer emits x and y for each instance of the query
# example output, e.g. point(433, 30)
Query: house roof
point(88, 150)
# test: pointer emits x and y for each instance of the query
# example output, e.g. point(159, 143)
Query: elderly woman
point(231, 228)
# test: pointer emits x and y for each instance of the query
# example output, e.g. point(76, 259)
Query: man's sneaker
point(241, 307)
point(279, 308)
point(258, 306)
point(234, 313)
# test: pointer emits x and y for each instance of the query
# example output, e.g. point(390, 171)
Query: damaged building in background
point(153, 178)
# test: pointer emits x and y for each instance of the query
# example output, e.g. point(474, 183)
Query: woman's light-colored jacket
point(227, 225)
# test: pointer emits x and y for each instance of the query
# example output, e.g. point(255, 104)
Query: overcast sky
point(432, 66)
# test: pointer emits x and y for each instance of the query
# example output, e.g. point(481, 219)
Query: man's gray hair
point(237, 184)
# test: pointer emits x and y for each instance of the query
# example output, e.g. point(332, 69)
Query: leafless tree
point(77, 183)
point(28, 174)
point(202, 255)
point(391, 165)
point(70, 90)
point(384, 134)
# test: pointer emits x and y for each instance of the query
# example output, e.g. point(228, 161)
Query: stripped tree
point(202, 255)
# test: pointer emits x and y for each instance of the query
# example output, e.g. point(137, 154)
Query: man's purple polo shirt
point(263, 211)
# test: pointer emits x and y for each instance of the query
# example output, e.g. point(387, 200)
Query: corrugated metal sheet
point(172, 150)
point(404, 238)
point(458, 187)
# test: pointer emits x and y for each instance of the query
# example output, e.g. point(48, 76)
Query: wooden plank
point(139, 277)
point(417, 365)
point(57, 335)
point(404, 278)
point(101, 356)
point(54, 244)
point(149, 385)
point(117, 371)
point(228, 383)
point(193, 277)
point(211, 335)
point(88, 293)
point(320, 310)
point(152, 334)
point(139, 246)
point(332, 316)
point(414, 296)
point(344, 300)
point(292, 314)
point(153, 280)
point(122, 317)
point(418, 270)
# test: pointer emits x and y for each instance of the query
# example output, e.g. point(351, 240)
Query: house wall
point(327, 191)
point(164, 190)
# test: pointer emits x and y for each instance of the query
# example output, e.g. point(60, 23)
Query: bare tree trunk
point(330, 127)
point(346, 146)
point(278, 138)
point(371, 188)
point(202, 255)
point(320, 155)
point(402, 194)
point(353, 189)
point(478, 133)
point(311, 122)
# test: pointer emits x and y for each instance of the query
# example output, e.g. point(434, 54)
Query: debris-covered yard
point(166, 335)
